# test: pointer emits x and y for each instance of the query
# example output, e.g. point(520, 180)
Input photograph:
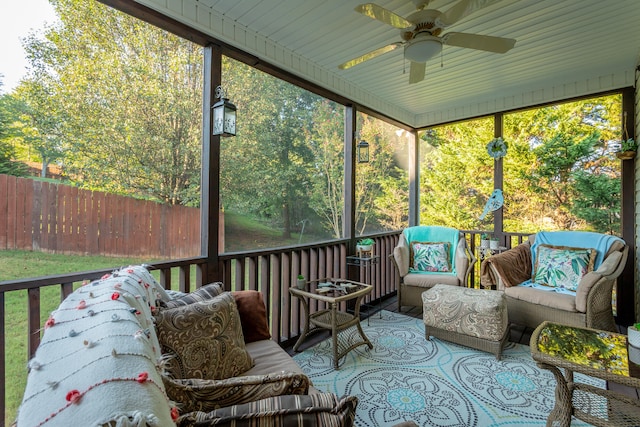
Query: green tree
point(381, 183)
point(265, 168)
point(560, 172)
point(131, 97)
point(41, 121)
point(327, 180)
point(598, 201)
point(8, 133)
point(456, 174)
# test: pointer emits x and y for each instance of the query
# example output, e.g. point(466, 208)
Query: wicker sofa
point(590, 304)
point(413, 283)
point(120, 351)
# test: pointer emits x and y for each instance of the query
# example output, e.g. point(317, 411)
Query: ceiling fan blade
point(461, 9)
point(416, 72)
point(368, 56)
point(476, 41)
point(383, 15)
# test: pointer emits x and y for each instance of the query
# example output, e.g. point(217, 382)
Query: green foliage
point(365, 242)
point(597, 201)
point(628, 145)
point(8, 133)
point(599, 350)
point(121, 99)
point(560, 172)
point(456, 174)
point(382, 183)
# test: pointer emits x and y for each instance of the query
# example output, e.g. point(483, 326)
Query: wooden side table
point(592, 352)
point(332, 319)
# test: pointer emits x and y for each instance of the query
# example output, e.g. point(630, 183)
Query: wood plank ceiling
point(564, 48)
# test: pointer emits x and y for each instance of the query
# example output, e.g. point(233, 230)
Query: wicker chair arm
point(593, 295)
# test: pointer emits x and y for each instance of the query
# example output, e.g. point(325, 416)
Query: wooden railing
point(270, 271)
point(274, 271)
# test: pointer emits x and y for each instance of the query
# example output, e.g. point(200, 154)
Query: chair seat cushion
point(557, 300)
point(427, 280)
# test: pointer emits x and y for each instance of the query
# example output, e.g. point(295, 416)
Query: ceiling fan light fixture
point(422, 48)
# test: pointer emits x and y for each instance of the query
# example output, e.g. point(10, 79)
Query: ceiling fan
point(422, 37)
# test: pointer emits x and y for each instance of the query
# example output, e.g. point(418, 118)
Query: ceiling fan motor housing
point(423, 47)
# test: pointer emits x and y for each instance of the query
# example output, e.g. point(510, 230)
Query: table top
point(332, 290)
point(593, 352)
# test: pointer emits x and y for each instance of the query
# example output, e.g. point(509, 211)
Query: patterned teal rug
point(434, 383)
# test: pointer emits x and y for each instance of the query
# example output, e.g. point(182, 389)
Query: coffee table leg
point(334, 333)
point(303, 335)
point(357, 316)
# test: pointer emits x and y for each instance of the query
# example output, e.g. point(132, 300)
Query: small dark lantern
point(363, 152)
point(224, 115)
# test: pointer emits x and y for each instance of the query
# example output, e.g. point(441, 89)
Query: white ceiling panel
point(562, 47)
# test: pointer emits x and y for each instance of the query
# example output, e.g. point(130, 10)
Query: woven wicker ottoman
point(475, 318)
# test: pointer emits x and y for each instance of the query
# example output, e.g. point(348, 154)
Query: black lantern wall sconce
point(224, 115)
point(363, 152)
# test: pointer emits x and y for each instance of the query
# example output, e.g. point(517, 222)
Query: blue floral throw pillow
point(562, 266)
point(428, 256)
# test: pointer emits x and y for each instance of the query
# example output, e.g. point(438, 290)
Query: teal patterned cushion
point(562, 266)
point(430, 256)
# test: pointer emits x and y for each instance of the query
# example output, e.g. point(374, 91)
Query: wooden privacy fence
point(43, 216)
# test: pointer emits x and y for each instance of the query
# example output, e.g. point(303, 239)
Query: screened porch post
point(498, 179)
point(626, 292)
point(349, 217)
point(210, 178)
point(414, 179)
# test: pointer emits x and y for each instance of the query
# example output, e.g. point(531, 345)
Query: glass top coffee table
point(592, 352)
point(334, 293)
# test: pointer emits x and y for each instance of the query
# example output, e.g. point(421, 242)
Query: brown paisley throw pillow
point(203, 339)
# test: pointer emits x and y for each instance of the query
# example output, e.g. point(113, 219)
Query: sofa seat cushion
point(204, 339)
point(556, 300)
point(268, 357)
point(322, 409)
point(427, 280)
point(207, 395)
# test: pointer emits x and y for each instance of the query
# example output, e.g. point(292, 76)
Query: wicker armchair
point(412, 285)
point(589, 306)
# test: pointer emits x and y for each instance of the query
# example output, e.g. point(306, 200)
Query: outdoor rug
point(434, 383)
